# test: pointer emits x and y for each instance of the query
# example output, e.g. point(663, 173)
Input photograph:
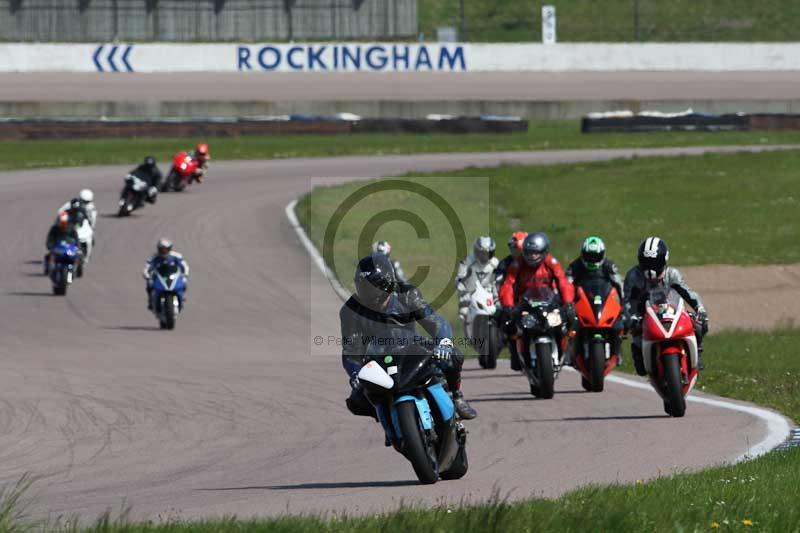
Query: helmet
point(164, 246)
point(515, 242)
point(593, 253)
point(201, 149)
point(484, 249)
point(653, 257)
point(86, 196)
point(63, 221)
point(149, 161)
point(381, 247)
point(374, 280)
point(535, 247)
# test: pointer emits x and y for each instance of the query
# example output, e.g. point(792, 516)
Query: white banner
point(398, 57)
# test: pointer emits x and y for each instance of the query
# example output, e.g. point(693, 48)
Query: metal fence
point(205, 20)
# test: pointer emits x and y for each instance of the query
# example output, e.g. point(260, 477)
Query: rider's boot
point(700, 363)
point(516, 364)
point(638, 360)
point(464, 409)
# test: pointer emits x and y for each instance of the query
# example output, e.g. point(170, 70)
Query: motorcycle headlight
point(554, 319)
point(528, 321)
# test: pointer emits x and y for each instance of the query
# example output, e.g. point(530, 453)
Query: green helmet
point(593, 253)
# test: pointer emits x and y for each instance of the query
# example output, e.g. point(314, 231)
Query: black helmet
point(653, 257)
point(149, 161)
point(535, 247)
point(374, 280)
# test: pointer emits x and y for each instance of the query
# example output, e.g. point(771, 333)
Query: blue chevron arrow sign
point(111, 56)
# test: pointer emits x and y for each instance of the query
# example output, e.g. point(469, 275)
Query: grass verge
point(542, 135)
point(734, 209)
point(613, 20)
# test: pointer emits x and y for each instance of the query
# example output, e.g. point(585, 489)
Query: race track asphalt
point(415, 87)
point(237, 411)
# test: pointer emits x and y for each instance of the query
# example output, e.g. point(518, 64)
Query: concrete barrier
point(394, 57)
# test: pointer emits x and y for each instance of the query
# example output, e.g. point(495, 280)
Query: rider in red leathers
point(536, 268)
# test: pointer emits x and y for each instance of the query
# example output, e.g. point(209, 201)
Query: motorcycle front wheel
point(544, 370)
point(675, 402)
point(416, 446)
point(597, 365)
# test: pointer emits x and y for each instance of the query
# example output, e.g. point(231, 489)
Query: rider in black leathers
point(379, 306)
point(148, 171)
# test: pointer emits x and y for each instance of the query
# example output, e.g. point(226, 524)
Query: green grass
point(736, 209)
point(542, 135)
point(613, 20)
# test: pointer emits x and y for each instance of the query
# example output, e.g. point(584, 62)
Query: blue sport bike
point(168, 283)
point(404, 384)
point(63, 264)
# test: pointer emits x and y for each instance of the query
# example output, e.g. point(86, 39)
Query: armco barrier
point(398, 57)
point(16, 129)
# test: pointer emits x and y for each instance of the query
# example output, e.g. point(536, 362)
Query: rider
point(202, 156)
point(593, 263)
point(652, 271)
point(63, 231)
point(383, 247)
point(86, 200)
point(515, 251)
point(537, 269)
point(148, 172)
point(163, 254)
point(477, 268)
point(379, 305)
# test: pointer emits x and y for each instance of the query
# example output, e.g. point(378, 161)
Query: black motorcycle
point(541, 338)
point(404, 384)
point(134, 193)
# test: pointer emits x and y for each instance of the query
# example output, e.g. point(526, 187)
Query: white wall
point(382, 57)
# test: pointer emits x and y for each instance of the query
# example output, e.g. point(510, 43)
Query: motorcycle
point(64, 261)
point(541, 339)
point(482, 327)
point(166, 292)
point(669, 349)
point(415, 411)
point(598, 307)
point(133, 194)
point(181, 174)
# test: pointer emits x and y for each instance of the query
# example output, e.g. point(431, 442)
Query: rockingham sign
point(114, 58)
point(351, 57)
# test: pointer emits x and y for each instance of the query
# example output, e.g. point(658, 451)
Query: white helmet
point(164, 246)
point(381, 247)
point(86, 196)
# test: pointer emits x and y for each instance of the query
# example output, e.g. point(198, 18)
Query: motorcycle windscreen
point(167, 276)
point(398, 350)
point(665, 307)
point(537, 296)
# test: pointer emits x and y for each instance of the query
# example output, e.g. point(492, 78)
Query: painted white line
point(779, 428)
point(312, 251)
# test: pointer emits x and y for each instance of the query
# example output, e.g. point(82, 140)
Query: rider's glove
point(444, 350)
point(702, 319)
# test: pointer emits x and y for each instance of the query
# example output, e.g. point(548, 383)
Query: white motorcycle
point(480, 327)
point(85, 238)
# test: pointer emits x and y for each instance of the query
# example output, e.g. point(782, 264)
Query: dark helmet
point(149, 162)
point(535, 247)
point(374, 280)
point(653, 257)
point(593, 253)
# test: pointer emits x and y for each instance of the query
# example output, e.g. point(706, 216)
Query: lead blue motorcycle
point(166, 293)
point(404, 384)
point(64, 261)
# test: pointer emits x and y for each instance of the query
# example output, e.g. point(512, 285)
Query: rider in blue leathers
point(163, 254)
point(379, 306)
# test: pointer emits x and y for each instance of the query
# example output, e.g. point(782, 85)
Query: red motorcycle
point(669, 349)
point(598, 308)
point(183, 173)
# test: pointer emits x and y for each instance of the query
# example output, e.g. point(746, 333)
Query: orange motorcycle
point(597, 343)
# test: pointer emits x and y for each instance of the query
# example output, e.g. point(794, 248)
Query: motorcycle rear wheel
point(674, 389)
point(415, 444)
